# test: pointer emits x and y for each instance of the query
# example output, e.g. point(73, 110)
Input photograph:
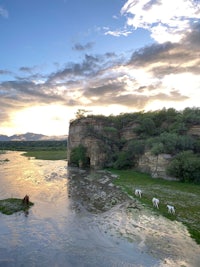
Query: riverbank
point(169, 241)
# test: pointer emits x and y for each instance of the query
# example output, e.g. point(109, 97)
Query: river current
point(55, 233)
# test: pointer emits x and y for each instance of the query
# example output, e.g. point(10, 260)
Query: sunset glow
point(102, 56)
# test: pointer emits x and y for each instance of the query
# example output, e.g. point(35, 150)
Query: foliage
point(33, 145)
point(170, 143)
point(78, 155)
point(110, 129)
point(146, 127)
point(191, 115)
point(186, 167)
point(48, 150)
point(161, 131)
point(127, 159)
point(47, 154)
point(81, 113)
point(123, 161)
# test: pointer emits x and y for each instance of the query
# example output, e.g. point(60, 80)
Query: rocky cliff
point(104, 139)
point(92, 134)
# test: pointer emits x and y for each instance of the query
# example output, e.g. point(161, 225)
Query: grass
point(184, 196)
point(47, 154)
point(11, 205)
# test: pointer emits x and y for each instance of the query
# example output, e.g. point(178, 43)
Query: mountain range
point(31, 137)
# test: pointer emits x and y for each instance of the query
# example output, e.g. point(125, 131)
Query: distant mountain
point(31, 137)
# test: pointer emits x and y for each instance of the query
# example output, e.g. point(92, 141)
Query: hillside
point(31, 137)
point(164, 143)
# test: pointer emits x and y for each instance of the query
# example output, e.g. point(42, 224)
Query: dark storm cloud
point(80, 47)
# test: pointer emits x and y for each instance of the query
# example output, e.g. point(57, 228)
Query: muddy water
point(56, 233)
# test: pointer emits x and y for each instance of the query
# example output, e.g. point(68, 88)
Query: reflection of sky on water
point(53, 233)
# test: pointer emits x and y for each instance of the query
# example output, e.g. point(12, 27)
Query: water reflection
point(53, 233)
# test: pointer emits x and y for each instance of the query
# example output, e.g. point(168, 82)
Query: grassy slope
point(185, 197)
point(48, 154)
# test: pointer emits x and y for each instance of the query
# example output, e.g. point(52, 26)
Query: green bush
point(78, 155)
point(123, 161)
point(186, 167)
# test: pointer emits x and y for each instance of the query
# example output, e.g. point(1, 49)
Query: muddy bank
point(95, 191)
point(168, 241)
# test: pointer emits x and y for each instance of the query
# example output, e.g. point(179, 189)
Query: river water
point(55, 233)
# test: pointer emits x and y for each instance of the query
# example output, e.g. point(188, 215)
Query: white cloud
point(166, 20)
point(3, 12)
point(118, 33)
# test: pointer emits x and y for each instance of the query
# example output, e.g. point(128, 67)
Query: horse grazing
point(138, 193)
point(171, 209)
point(156, 202)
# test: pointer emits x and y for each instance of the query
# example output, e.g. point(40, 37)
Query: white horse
point(138, 193)
point(156, 202)
point(171, 209)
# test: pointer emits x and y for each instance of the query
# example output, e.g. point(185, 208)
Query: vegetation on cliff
point(166, 131)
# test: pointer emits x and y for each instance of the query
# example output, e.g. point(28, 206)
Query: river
point(55, 233)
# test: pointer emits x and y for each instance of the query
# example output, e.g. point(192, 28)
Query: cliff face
point(92, 134)
point(155, 165)
point(103, 140)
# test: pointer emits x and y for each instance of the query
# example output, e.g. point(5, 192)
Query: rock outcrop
point(104, 139)
point(90, 133)
point(155, 165)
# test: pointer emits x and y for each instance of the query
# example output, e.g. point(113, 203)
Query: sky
point(103, 56)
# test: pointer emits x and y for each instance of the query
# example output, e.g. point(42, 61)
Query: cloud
point(165, 20)
point(80, 47)
point(162, 73)
point(89, 67)
point(118, 33)
point(27, 69)
point(3, 12)
point(163, 59)
point(5, 72)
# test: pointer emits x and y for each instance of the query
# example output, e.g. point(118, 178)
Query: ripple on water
point(59, 231)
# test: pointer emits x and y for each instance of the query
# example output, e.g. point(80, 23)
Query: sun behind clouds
point(50, 120)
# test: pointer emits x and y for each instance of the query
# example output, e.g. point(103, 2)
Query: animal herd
point(155, 202)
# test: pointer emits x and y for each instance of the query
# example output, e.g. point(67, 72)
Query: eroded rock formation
point(103, 139)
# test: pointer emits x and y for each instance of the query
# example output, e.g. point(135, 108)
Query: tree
point(123, 161)
point(81, 113)
point(186, 167)
point(78, 156)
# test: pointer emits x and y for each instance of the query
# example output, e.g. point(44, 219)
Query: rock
point(94, 195)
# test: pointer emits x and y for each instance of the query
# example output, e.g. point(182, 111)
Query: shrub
point(78, 154)
point(186, 167)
